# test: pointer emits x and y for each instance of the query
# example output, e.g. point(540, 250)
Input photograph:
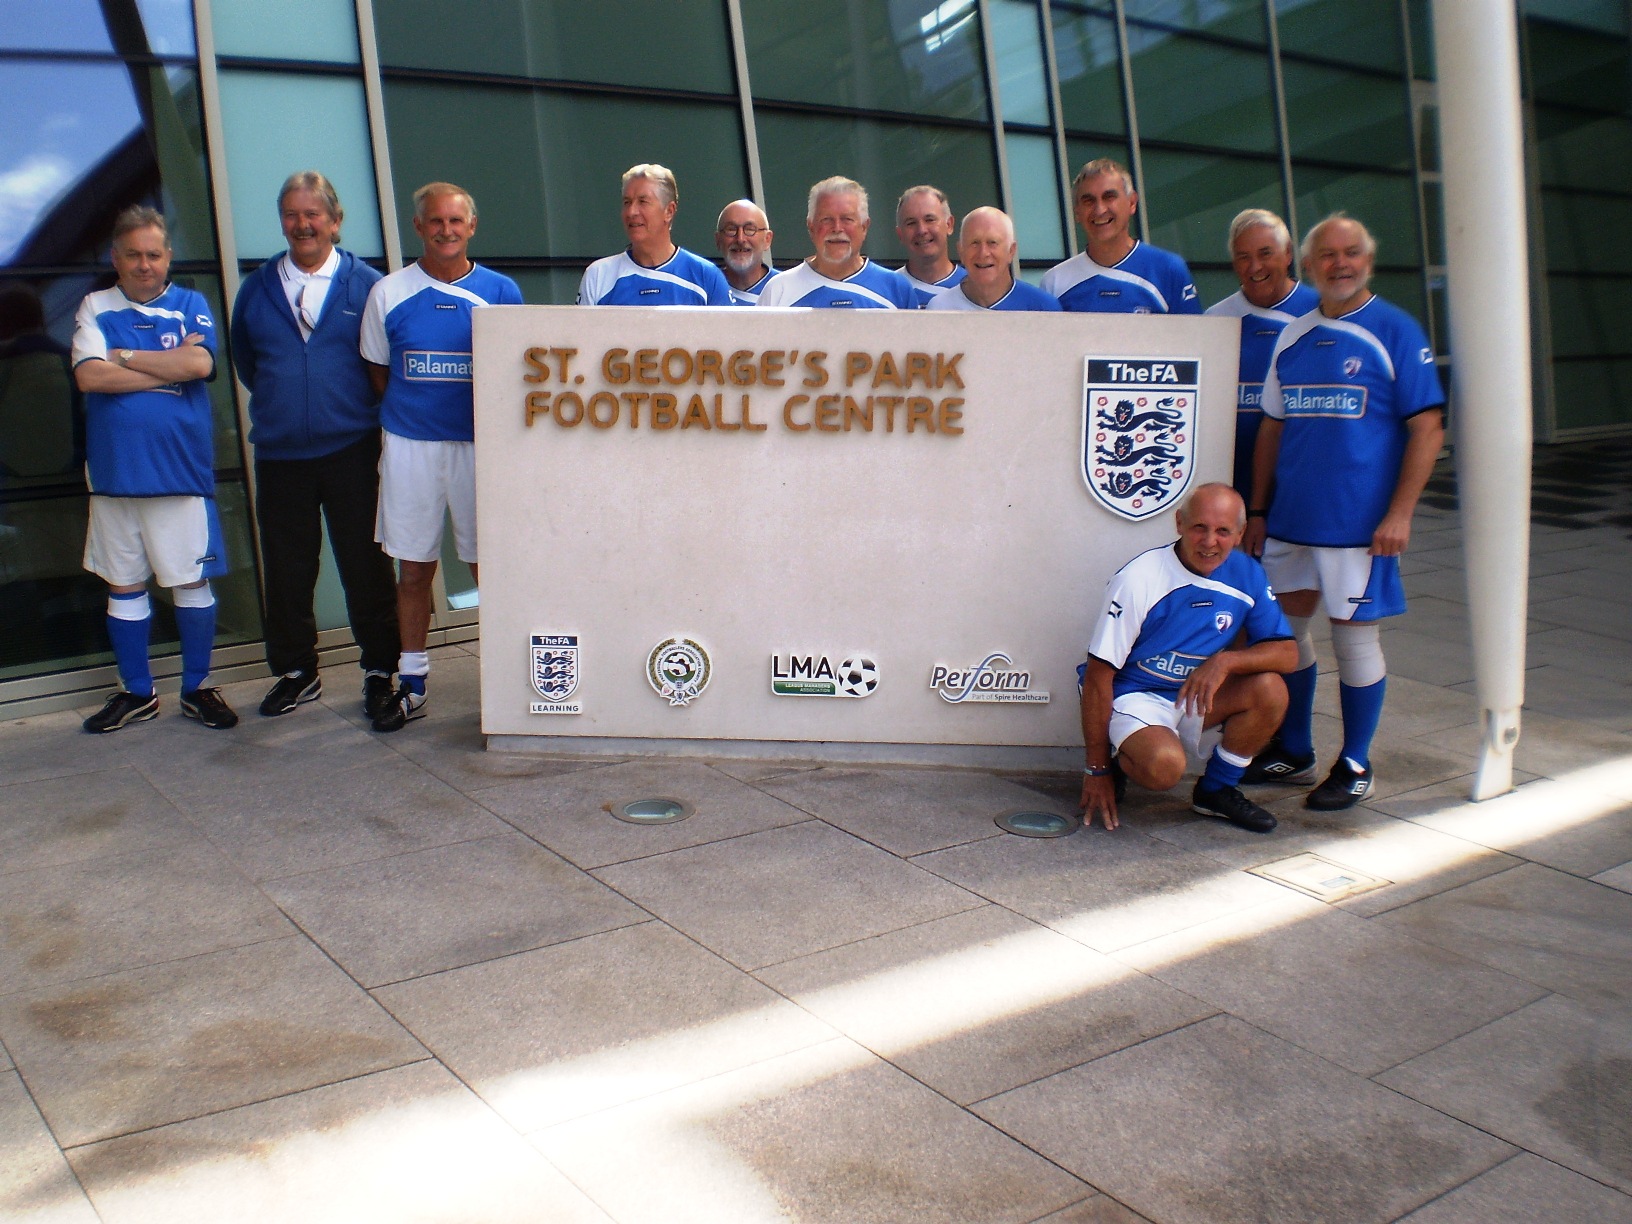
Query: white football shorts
point(1135, 711)
point(177, 539)
point(1353, 584)
point(420, 480)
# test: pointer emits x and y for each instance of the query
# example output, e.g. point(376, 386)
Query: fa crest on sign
point(554, 672)
point(1138, 432)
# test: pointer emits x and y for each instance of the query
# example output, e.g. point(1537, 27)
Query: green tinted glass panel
point(1237, 19)
point(1590, 394)
point(1420, 25)
point(917, 56)
point(1604, 16)
point(1189, 200)
point(322, 30)
point(1588, 233)
point(655, 44)
point(263, 149)
point(1577, 67)
point(886, 158)
point(1213, 284)
point(1034, 180)
point(1344, 116)
point(1428, 138)
point(1433, 219)
point(82, 141)
point(555, 286)
point(1385, 203)
point(1361, 32)
point(1592, 316)
point(546, 168)
point(1194, 92)
point(1018, 37)
point(1090, 81)
point(1406, 290)
point(1579, 149)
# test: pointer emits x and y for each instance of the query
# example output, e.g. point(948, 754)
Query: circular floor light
point(651, 811)
point(1038, 824)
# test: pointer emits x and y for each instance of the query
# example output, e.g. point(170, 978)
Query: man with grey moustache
point(743, 235)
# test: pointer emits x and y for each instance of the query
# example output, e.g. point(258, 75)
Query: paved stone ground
point(301, 972)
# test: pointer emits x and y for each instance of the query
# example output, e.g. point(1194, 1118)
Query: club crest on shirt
point(1351, 366)
point(554, 672)
point(1138, 432)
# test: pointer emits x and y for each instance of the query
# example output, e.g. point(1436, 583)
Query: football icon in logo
point(858, 677)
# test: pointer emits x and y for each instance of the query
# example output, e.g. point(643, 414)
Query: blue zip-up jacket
point(307, 398)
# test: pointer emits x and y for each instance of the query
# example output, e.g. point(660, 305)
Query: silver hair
point(836, 185)
point(660, 176)
point(1252, 218)
point(920, 190)
point(319, 185)
point(1367, 242)
point(440, 189)
point(140, 216)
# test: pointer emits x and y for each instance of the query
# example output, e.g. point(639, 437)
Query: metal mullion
point(994, 101)
point(1283, 131)
point(374, 96)
point(745, 101)
point(1131, 109)
point(1062, 162)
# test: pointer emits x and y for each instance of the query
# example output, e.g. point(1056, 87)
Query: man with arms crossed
point(987, 248)
point(1117, 274)
point(1353, 423)
point(652, 270)
point(315, 425)
point(416, 339)
point(923, 223)
point(838, 276)
point(1162, 667)
point(743, 234)
point(1269, 299)
point(143, 351)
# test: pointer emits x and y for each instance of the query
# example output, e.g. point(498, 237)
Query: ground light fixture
point(656, 811)
point(1038, 824)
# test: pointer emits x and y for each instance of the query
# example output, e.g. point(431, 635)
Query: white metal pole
point(1476, 46)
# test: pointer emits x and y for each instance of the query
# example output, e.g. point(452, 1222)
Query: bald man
point(987, 249)
point(743, 234)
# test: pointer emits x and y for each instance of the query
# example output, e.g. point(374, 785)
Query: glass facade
point(1302, 106)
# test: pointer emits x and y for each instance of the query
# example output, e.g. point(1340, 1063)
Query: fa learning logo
point(1138, 432)
point(554, 673)
point(678, 669)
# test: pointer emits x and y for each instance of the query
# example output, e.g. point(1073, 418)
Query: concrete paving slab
point(571, 813)
point(1563, 1090)
point(830, 1133)
point(36, 1184)
point(418, 913)
point(1105, 890)
point(67, 819)
point(787, 892)
point(1101, 1209)
point(908, 811)
point(1527, 1188)
point(1220, 1122)
point(981, 1002)
point(583, 1026)
point(133, 1050)
point(1360, 995)
point(1617, 877)
point(454, 749)
point(54, 746)
point(107, 914)
point(407, 1144)
point(1561, 932)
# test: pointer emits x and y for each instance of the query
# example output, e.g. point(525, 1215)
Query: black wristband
point(1097, 771)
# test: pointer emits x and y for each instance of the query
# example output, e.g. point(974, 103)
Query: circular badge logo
point(678, 670)
point(858, 677)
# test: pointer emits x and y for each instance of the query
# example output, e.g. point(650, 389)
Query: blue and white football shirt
point(1345, 389)
point(1160, 622)
point(927, 292)
point(1261, 326)
point(419, 328)
point(750, 296)
point(153, 443)
point(1147, 280)
point(684, 280)
point(1021, 296)
point(870, 287)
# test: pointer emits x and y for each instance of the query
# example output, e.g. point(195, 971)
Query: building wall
point(536, 106)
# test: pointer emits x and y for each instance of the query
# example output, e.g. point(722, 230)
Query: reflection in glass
point(1089, 76)
point(1034, 179)
point(1238, 19)
point(915, 56)
point(1018, 39)
point(1195, 92)
point(1343, 116)
point(325, 31)
point(1367, 35)
point(82, 142)
point(545, 167)
point(565, 40)
point(1579, 149)
point(1577, 68)
point(1190, 199)
point(1588, 232)
point(160, 27)
point(1386, 203)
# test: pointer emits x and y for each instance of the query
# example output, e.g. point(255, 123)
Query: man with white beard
point(743, 235)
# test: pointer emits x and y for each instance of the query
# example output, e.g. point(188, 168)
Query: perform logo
point(436, 367)
point(1348, 403)
point(994, 680)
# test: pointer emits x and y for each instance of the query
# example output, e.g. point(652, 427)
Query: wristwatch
point(125, 355)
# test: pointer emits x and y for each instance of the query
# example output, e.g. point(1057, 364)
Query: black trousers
point(290, 494)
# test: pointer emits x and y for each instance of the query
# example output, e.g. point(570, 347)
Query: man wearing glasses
point(743, 235)
point(315, 425)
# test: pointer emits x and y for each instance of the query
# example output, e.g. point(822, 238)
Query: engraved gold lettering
point(787, 413)
point(607, 400)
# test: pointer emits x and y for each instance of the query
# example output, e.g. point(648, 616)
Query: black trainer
point(206, 706)
point(291, 690)
point(1343, 788)
point(1276, 765)
point(406, 705)
point(1228, 803)
point(377, 694)
point(122, 708)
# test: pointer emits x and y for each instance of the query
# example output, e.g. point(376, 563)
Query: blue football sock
point(197, 629)
point(414, 684)
point(1362, 711)
point(1297, 733)
point(130, 622)
point(1224, 769)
